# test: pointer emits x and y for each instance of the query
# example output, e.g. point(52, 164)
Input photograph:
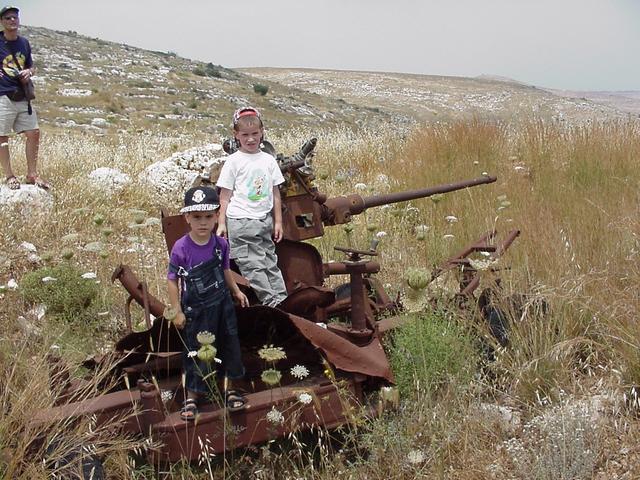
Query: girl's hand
point(241, 298)
point(277, 232)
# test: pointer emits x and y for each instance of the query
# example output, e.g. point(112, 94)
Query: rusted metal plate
point(217, 430)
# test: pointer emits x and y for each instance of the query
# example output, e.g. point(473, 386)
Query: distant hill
point(99, 86)
point(429, 97)
point(626, 101)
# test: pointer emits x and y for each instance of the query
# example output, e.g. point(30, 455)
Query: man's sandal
point(12, 182)
point(235, 401)
point(38, 181)
point(189, 410)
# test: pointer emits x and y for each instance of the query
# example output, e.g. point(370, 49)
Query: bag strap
point(15, 60)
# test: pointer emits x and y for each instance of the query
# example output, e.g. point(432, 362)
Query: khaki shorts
point(14, 116)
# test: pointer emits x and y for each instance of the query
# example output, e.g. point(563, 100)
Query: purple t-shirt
point(187, 254)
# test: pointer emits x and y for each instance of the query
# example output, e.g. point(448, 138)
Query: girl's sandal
point(12, 182)
point(39, 182)
point(189, 410)
point(235, 401)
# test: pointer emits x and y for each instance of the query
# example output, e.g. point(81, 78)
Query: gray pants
point(254, 252)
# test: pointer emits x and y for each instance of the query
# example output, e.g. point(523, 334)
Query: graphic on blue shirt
point(9, 66)
point(256, 188)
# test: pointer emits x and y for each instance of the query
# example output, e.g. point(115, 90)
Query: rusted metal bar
point(135, 289)
point(338, 210)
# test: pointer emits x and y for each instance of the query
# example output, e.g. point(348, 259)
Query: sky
point(563, 44)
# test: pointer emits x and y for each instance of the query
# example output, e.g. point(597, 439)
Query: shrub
point(260, 88)
point(68, 295)
point(429, 351)
point(199, 71)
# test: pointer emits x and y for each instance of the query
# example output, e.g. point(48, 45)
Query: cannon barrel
point(338, 210)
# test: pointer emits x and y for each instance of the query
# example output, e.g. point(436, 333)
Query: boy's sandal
point(12, 182)
point(235, 401)
point(39, 182)
point(189, 410)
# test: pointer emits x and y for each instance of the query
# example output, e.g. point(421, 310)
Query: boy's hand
point(277, 232)
point(241, 298)
point(180, 320)
point(222, 230)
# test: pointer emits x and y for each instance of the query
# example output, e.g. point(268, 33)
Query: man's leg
point(32, 147)
point(5, 161)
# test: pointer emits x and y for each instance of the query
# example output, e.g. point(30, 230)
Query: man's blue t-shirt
point(9, 82)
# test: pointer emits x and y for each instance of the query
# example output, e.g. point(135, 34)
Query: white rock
point(89, 275)
point(27, 200)
point(109, 180)
point(177, 173)
point(12, 284)
point(28, 247)
point(74, 92)
point(99, 122)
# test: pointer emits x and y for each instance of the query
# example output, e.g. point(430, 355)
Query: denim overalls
point(207, 305)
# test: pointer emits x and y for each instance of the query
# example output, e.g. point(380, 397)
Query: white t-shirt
point(251, 177)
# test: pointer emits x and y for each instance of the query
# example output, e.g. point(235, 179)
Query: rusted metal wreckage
point(346, 361)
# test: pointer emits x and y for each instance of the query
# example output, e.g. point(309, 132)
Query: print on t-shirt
point(256, 187)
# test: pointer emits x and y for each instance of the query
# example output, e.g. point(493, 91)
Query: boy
point(249, 196)
point(201, 260)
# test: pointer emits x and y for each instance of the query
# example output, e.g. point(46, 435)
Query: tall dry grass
point(571, 190)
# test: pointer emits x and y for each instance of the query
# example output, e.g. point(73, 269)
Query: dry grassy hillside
point(558, 401)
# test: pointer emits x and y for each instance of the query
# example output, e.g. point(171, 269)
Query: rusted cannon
point(344, 361)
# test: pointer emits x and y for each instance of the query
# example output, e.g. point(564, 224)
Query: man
point(15, 112)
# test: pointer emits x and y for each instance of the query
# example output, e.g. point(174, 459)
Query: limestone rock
point(109, 180)
point(172, 176)
point(27, 200)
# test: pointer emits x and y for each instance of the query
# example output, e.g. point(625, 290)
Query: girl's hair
point(246, 117)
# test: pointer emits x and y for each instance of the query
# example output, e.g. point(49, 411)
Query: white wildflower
point(305, 398)
point(275, 416)
point(299, 371)
point(271, 353)
point(381, 234)
point(192, 353)
point(415, 456)
point(166, 395)
point(451, 218)
point(12, 284)
point(481, 264)
point(360, 186)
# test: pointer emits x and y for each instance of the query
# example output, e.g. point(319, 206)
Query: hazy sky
point(569, 44)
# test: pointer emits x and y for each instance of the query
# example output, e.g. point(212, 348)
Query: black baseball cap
point(200, 199)
point(7, 9)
